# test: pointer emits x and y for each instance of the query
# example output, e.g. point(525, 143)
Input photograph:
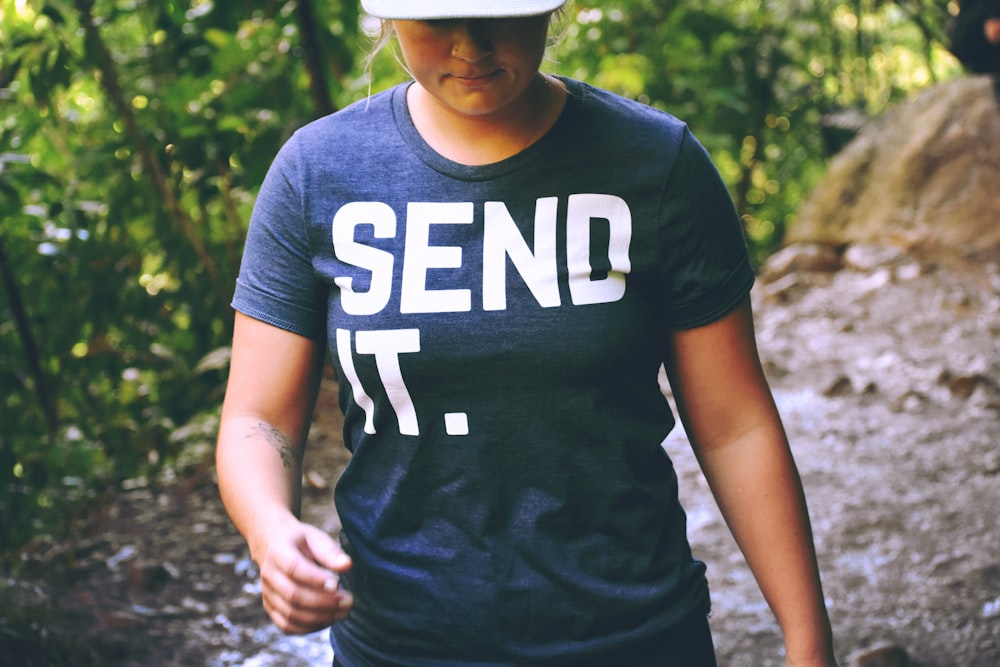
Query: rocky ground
point(887, 372)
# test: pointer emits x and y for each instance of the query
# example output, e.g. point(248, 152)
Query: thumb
point(325, 551)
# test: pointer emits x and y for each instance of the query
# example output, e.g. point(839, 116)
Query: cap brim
point(426, 10)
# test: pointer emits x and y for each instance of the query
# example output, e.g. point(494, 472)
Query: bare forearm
point(273, 381)
point(728, 411)
point(260, 472)
point(757, 486)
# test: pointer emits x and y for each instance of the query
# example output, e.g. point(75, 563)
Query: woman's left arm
point(731, 420)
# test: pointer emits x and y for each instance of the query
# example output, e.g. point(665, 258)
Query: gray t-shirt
point(498, 331)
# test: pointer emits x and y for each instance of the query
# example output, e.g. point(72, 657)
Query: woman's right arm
point(273, 380)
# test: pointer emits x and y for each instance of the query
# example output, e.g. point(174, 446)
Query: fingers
point(325, 550)
point(300, 583)
point(296, 617)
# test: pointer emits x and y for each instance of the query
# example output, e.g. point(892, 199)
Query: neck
point(488, 138)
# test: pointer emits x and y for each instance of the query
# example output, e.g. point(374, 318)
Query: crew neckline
point(482, 172)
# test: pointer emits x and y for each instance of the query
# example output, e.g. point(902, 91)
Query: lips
point(472, 79)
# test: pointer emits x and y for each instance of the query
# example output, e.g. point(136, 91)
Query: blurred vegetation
point(133, 134)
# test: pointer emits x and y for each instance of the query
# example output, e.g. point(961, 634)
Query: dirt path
point(889, 383)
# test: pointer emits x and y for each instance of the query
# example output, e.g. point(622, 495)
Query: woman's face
point(476, 67)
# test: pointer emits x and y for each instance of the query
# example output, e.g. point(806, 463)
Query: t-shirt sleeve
point(277, 283)
point(704, 256)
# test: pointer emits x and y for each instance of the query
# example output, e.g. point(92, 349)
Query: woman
point(500, 261)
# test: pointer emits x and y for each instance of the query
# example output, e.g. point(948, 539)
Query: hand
point(299, 574)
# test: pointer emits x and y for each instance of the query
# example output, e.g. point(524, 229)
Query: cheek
point(529, 44)
point(419, 48)
point(417, 59)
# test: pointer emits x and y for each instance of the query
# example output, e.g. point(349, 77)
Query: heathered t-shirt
point(497, 331)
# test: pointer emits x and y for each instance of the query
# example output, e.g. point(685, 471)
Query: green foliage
point(754, 79)
point(133, 136)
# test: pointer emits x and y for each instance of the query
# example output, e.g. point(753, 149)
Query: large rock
point(924, 177)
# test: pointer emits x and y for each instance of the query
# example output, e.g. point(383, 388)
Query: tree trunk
point(32, 355)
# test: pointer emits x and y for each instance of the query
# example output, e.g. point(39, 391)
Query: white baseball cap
point(425, 10)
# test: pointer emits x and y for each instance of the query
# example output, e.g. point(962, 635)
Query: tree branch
point(319, 92)
point(42, 390)
point(152, 166)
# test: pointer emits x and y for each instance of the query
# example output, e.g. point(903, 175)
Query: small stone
point(842, 386)
point(991, 609)
point(874, 281)
point(224, 559)
point(963, 386)
point(911, 401)
point(774, 370)
point(815, 257)
point(196, 606)
point(121, 620)
point(314, 480)
point(149, 578)
point(783, 290)
point(868, 257)
point(124, 554)
point(908, 271)
point(886, 654)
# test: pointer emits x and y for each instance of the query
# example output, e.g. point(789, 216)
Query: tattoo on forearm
point(282, 443)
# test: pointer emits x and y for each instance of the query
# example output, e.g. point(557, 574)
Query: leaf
point(218, 38)
point(216, 360)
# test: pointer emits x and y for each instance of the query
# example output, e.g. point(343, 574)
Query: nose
point(471, 41)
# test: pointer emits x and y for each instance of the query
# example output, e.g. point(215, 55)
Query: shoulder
point(360, 122)
point(629, 132)
point(363, 133)
point(622, 116)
